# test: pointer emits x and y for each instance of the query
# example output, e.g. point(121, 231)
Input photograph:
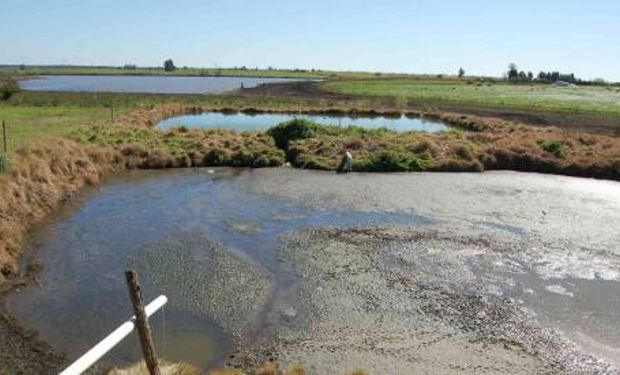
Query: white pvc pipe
point(105, 345)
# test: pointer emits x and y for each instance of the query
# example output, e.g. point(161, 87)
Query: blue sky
point(418, 36)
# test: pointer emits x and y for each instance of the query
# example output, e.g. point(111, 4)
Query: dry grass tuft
point(43, 176)
point(269, 368)
point(165, 368)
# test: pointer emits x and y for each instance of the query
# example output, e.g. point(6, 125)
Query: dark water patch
point(146, 84)
point(264, 121)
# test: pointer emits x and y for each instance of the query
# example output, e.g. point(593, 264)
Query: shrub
point(556, 148)
point(8, 87)
point(215, 157)
point(291, 131)
point(392, 161)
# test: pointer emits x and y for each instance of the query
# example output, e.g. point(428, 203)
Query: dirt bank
point(21, 352)
point(366, 300)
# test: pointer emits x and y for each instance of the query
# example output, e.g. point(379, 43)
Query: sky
point(414, 36)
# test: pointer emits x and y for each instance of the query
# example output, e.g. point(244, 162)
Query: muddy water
point(168, 225)
point(209, 240)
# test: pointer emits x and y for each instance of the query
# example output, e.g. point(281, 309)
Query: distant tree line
point(515, 76)
point(557, 76)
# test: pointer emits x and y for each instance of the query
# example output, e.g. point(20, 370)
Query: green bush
point(392, 161)
point(302, 129)
point(556, 148)
point(291, 131)
point(8, 87)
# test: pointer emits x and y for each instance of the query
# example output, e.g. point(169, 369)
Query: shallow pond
point(187, 229)
point(146, 84)
point(263, 121)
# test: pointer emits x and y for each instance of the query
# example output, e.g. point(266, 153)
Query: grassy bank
point(603, 100)
point(43, 176)
point(190, 72)
point(148, 148)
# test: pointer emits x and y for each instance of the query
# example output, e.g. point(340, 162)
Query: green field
point(192, 72)
point(29, 123)
point(604, 100)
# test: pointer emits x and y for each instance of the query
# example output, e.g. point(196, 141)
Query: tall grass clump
point(555, 148)
point(391, 161)
point(164, 367)
point(291, 131)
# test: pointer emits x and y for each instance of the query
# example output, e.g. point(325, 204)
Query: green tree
point(513, 72)
point(169, 65)
point(461, 72)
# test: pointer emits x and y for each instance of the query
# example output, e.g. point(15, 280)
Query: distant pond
point(263, 121)
point(146, 84)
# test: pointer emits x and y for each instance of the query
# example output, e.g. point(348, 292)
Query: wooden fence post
point(144, 330)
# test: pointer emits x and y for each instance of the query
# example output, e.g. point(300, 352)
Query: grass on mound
point(150, 148)
point(297, 129)
point(517, 147)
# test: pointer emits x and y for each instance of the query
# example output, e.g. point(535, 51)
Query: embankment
point(43, 176)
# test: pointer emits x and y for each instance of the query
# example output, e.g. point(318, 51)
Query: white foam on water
point(559, 289)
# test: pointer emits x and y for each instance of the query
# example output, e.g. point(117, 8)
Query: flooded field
point(263, 121)
point(145, 84)
point(443, 273)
